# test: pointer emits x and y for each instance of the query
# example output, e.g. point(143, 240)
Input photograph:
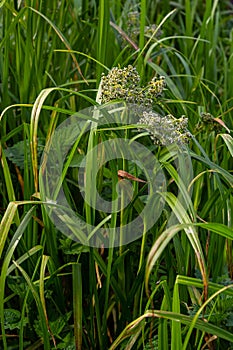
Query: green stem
point(77, 304)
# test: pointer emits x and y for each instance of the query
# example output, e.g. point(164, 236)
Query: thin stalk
point(77, 304)
point(102, 37)
point(140, 66)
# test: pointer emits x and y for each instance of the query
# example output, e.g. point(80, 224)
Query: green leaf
point(12, 319)
point(17, 284)
point(228, 141)
point(58, 324)
point(16, 153)
point(220, 229)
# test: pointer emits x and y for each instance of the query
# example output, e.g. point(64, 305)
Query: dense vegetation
point(172, 287)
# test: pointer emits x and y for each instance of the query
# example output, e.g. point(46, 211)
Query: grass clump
point(171, 288)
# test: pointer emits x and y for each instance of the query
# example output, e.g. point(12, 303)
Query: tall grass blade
point(77, 304)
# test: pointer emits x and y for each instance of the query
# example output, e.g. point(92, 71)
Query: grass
point(171, 288)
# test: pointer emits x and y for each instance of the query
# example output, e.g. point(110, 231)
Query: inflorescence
point(165, 130)
point(133, 25)
point(208, 122)
point(124, 84)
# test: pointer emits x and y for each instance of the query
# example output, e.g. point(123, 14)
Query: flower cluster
point(133, 25)
point(120, 84)
point(123, 84)
point(152, 30)
point(208, 122)
point(156, 87)
point(165, 130)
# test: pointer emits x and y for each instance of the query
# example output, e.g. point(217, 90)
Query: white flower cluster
point(165, 130)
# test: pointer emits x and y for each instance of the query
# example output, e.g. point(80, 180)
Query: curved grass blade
point(36, 296)
point(218, 331)
point(137, 324)
point(228, 141)
point(61, 36)
point(8, 256)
